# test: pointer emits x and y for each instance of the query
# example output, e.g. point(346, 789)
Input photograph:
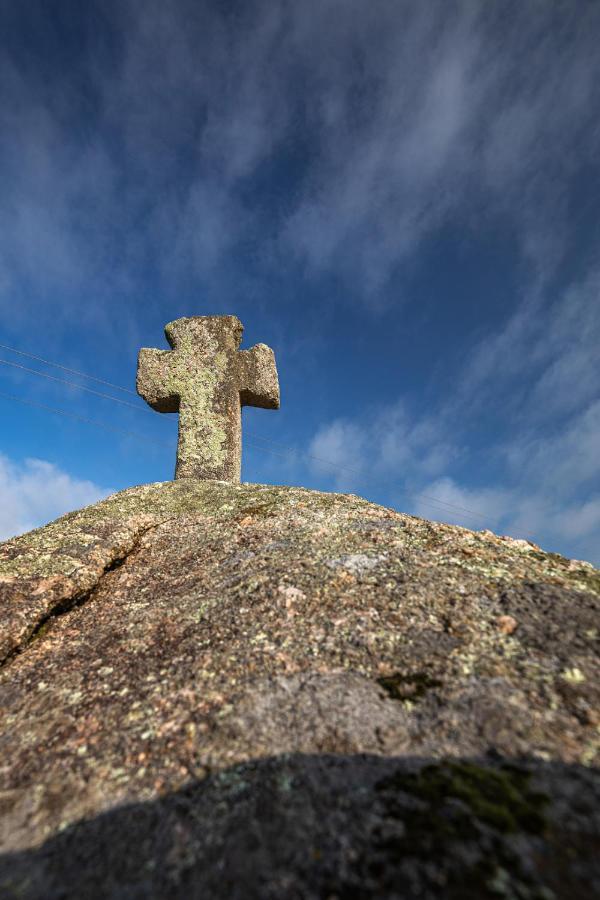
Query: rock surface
point(233, 690)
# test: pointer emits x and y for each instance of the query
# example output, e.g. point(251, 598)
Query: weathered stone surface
point(206, 379)
point(230, 690)
point(328, 826)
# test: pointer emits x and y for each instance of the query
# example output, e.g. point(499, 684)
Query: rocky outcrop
point(213, 689)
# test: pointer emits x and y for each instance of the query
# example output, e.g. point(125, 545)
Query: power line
point(445, 505)
point(81, 387)
point(47, 362)
point(143, 437)
point(318, 459)
point(430, 501)
point(70, 415)
point(359, 474)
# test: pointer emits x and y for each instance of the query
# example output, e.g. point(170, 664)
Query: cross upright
point(207, 379)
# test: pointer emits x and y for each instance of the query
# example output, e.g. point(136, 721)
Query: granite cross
point(207, 380)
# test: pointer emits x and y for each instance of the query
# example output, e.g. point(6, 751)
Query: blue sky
point(401, 198)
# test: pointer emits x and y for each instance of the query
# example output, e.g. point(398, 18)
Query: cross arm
point(257, 374)
point(152, 380)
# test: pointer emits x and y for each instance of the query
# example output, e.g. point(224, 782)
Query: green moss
point(266, 510)
point(582, 577)
point(500, 798)
point(41, 630)
point(469, 840)
point(542, 556)
point(588, 578)
point(408, 687)
point(62, 547)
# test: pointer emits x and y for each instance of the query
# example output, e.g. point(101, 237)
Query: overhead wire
point(47, 362)
point(70, 415)
point(360, 475)
point(170, 445)
point(81, 387)
point(442, 505)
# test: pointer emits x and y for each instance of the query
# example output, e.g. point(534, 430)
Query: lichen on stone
point(206, 379)
point(223, 624)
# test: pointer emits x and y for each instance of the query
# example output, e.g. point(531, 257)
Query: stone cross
point(206, 379)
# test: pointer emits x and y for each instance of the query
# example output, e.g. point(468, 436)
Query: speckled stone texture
point(226, 690)
point(206, 379)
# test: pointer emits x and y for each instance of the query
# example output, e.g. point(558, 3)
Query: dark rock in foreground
point(335, 827)
point(217, 690)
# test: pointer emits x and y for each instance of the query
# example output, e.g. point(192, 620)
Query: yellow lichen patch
point(573, 676)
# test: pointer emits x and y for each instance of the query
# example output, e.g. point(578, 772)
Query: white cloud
point(339, 444)
point(552, 342)
point(541, 469)
point(563, 460)
point(569, 528)
point(35, 491)
point(472, 507)
point(582, 521)
point(388, 444)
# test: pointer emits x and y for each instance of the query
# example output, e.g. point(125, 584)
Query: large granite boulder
point(233, 690)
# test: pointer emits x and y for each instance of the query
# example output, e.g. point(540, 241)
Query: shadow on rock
point(330, 826)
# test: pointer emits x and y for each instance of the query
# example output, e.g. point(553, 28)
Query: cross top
point(207, 379)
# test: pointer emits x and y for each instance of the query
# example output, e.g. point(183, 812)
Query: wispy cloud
point(421, 114)
point(539, 475)
point(35, 491)
point(551, 340)
point(388, 444)
point(464, 111)
point(335, 139)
